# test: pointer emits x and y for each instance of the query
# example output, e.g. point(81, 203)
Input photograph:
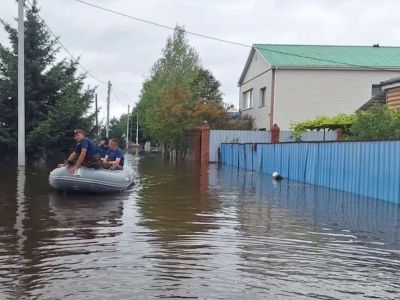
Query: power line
point(66, 49)
point(122, 93)
point(161, 25)
point(230, 42)
point(116, 96)
point(73, 58)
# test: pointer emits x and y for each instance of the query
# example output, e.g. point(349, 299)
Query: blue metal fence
point(369, 169)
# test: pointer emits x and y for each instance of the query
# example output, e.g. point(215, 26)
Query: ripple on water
point(185, 233)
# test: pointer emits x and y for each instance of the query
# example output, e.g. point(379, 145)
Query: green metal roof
point(317, 56)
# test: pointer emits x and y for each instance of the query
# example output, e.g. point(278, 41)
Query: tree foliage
point(54, 101)
point(179, 95)
point(377, 123)
point(341, 121)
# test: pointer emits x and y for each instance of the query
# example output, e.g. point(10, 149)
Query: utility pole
point(127, 130)
point(21, 85)
point(97, 120)
point(108, 108)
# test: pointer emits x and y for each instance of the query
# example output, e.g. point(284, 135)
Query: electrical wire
point(73, 58)
point(160, 25)
point(66, 49)
point(265, 48)
point(122, 93)
point(116, 95)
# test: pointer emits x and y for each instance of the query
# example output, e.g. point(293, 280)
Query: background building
point(284, 84)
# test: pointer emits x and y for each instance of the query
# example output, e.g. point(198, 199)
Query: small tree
point(377, 123)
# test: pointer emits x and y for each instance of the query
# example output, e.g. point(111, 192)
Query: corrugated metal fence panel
point(370, 169)
point(242, 158)
point(257, 159)
point(235, 136)
point(235, 153)
point(217, 137)
point(249, 156)
point(309, 136)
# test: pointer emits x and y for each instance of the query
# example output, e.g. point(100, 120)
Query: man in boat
point(114, 159)
point(85, 153)
point(103, 147)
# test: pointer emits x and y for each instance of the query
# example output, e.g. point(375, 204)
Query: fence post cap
point(205, 125)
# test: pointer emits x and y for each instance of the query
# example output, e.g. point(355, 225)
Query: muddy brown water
point(187, 232)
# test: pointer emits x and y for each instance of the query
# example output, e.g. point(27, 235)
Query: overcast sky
point(122, 50)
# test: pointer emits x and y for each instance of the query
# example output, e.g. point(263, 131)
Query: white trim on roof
point(248, 62)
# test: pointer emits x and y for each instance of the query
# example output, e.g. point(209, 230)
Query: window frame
point(263, 98)
point(251, 104)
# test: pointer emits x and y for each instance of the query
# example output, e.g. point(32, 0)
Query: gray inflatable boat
point(90, 180)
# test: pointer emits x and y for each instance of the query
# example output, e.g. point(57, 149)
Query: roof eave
point(390, 81)
point(246, 66)
point(248, 62)
point(383, 69)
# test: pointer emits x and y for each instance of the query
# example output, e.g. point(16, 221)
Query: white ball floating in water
point(276, 176)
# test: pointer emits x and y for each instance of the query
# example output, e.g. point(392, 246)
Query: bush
point(377, 123)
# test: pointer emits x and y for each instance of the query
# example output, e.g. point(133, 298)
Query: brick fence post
point(205, 143)
point(275, 133)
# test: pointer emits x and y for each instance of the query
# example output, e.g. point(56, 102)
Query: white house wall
point(258, 76)
point(257, 66)
point(305, 94)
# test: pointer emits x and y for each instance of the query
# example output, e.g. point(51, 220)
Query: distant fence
point(309, 136)
point(235, 136)
point(369, 169)
point(217, 137)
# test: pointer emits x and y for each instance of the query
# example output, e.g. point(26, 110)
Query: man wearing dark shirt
point(103, 147)
point(85, 153)
point(114, 159)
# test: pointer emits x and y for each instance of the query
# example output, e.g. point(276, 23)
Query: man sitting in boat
point(103, 147)
point(114, 159)
point(85, 153)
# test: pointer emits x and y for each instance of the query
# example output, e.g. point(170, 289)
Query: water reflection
point(21, 209)
point(172, 199)
point(313, 242)
point(188, 231)
point(40, 226)
point(174, 203)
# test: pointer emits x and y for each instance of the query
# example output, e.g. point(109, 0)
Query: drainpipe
point(271, 114)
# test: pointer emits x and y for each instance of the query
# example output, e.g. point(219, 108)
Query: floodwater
point(187, 232)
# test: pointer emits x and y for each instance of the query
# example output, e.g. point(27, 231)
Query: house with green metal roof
point(285, 84)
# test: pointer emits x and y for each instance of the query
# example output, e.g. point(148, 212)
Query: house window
point(248, 99)
point(376, 90)
point(262, 96)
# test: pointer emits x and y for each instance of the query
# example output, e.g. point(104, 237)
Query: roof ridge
point(327, 45)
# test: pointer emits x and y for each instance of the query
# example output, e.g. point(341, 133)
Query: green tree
point(177, 117)
point(377, 123)
point(204, 86)
point(178, 96)
point(48, 86)
point(53, 136)
point(177, 67)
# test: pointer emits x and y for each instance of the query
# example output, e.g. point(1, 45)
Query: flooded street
point(186, 232)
